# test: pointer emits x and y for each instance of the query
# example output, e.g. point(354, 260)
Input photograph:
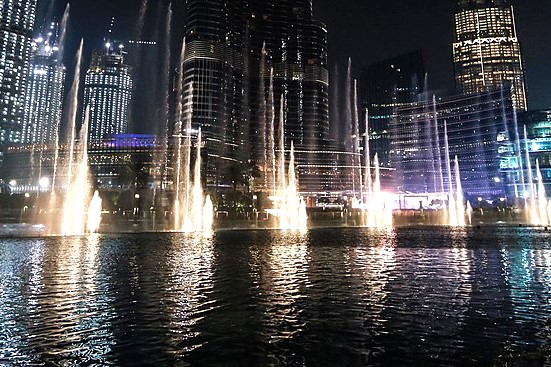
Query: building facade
point(108, 93)
point(486, 50)
point(231, 49)
point(215, 79)
point(537, 143)
point(385, 87)
point(44, 92)
point(428, 135)
point(16, 26)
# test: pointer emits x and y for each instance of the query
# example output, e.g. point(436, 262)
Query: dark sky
point(368, 31)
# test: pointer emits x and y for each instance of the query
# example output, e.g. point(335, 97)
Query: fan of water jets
point(537, 207)
point(81, 211)
point(193, 212)
point(289, 209)
point(455, 212)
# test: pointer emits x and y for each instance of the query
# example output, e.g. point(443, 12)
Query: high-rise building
point(296, 48)
point(486, 50)
point(44, 92)
point(478, 134)
point(108, 92)
point(215, 78)
point(538, 142)
point(286, 38)
point(384, 87)
point(16, 26)
point(229, 78)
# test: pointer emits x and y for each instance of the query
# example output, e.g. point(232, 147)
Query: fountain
point(192, 210)
point(377, 208)
point(377, 205)
point(289, 208)
point(94, 213)
point(78, 208)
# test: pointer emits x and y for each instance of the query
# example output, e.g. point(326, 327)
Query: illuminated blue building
point(478, 135)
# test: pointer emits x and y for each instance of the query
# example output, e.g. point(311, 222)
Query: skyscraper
point(478, 134)
point(486, 50)
point(16, 25)
point(108, 92)
point(229, 78)
point(44, 92)
point(215, 78)
point(384, 87)
point(286, 38)
point(296, 49)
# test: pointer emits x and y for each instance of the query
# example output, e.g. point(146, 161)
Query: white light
point(13, 183)
point(497, 180)
point(108, 45)
point(44, 182)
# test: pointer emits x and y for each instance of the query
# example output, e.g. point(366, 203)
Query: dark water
point(408, 297)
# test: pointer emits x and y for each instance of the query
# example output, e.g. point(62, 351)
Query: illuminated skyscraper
point(44, 92)
point(296, 49)
point(108, 92)
point(385, 87)
point(215, 72)
point(16, 25)
point(222, 67)
point(486, 50)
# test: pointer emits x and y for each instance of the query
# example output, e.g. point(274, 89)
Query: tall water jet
point(289, 209)
point(74, 168)
point(377, 210)
point(94, 213)
point(459, 204)
point(543, 204)
point(346, 122)
point(141, 20)
point(263, 148)
point(77, 192)
point(356, 145)
point(531, 204)
point(178, 132)
point(271, 138)
point(451, 210)
point(368, 189)
point(61, 45)
point(195, 212)
point(438, 154)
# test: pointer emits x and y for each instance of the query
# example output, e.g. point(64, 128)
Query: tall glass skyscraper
point(384, 87)
point(215, 78)
point(108, 92)
point(44, 92)
point(296, 49)
point(478, 134)
point(486, 50)
point(16, 25)
point(224, 71)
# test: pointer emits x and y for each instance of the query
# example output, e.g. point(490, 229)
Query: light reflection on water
point(350, 297)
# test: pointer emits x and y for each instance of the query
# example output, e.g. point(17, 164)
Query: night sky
point(367, 31)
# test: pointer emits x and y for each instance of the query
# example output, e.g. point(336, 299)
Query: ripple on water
point(348, 297)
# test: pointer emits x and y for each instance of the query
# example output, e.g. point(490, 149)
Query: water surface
point(331, 297)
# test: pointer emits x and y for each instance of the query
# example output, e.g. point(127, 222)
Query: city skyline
point(424, 25)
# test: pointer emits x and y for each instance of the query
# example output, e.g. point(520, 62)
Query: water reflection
point(188, 292)
point(408, 296)
point(285, 281)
